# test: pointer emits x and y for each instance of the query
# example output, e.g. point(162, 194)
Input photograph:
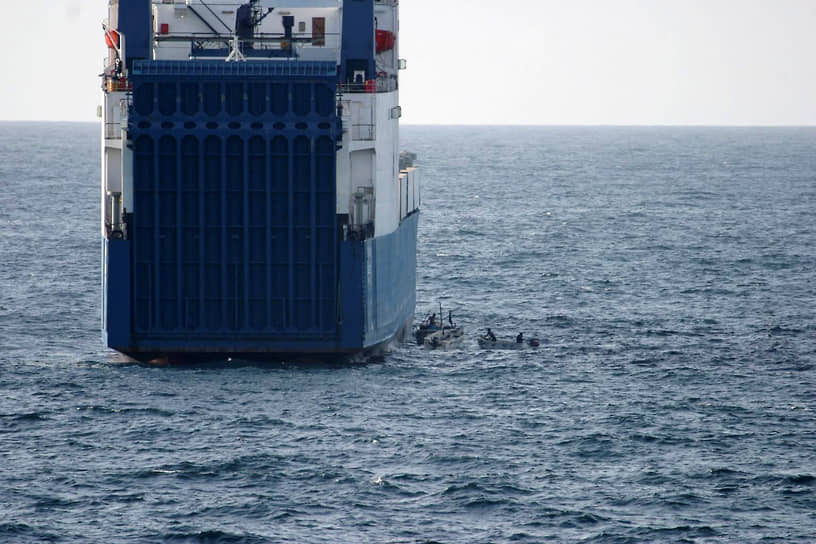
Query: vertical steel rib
point(180, 323)
point(291, 146)
point(224, 253)
point(202, 259)
point(313, 264)
point(291, 304)
point(267, 143)
point(156, 296)
point(247, 265)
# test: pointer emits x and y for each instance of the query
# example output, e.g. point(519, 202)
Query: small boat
point(424, 329)
point(444, 338)
point(485, 342)
point(433, 324)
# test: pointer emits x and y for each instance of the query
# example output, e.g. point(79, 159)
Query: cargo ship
point(255, 203)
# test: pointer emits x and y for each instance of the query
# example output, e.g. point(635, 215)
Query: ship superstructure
point(254, 200)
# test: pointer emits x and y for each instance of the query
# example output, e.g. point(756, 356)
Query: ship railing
point(383, 84)
point(363, 132)
point(329, 39)
point(117, 118)
point(356, 88)
point(258, 48)
point(113, 131)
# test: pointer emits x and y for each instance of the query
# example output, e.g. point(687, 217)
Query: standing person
point(490, 335)
point(520, 338)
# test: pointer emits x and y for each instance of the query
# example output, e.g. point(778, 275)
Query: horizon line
point(510, 125)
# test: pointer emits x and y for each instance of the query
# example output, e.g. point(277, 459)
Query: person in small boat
point(432, 320)
point(490, 335)
point(520, 338)
point(450, 318)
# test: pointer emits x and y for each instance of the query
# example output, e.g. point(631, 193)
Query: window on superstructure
point(319, 31)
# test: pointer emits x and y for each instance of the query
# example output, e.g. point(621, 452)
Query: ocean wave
point(672, 402)
point(213, 536)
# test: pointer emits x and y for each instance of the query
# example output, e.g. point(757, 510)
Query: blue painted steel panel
point(134, 23)
point(219, 69)
point(358, 39)
point(234, 233)
point(390, 298)
point(351, 294)
point(117, 294)
point(393, 294)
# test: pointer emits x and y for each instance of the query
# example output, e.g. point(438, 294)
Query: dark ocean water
point(670, 272)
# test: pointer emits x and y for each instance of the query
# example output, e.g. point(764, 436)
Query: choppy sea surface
point(668, 271)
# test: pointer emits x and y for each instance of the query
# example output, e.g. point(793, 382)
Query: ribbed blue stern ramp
point(233, 240)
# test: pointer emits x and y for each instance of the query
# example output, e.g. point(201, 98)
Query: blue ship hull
point(376, 296)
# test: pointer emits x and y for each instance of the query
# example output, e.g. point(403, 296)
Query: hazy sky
point(715, 62)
